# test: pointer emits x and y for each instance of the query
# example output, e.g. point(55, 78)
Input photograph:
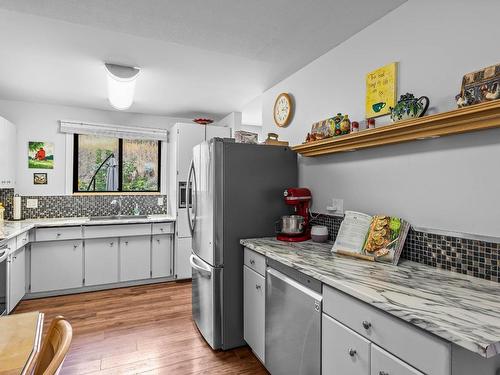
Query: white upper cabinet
point(7, 154)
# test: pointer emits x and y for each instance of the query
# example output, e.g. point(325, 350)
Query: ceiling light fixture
point(121, 85)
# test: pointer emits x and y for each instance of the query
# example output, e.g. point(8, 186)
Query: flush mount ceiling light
point(121, 85)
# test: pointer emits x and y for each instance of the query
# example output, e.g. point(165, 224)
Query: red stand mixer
point(295, 228)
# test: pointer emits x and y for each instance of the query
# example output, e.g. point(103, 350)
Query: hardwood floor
point(139, 330)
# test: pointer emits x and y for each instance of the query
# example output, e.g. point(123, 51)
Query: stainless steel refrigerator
point(237, 193)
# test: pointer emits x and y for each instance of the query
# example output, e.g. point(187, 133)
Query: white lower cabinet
point(384, 363)
point(254, 315)
point(135, 258)
point(17, 277)
point(161, 256)
point(56, 265)
point(101, 261)
point(343, 350)
point(182, 254)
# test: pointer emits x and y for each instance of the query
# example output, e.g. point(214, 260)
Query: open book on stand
point(375, 238)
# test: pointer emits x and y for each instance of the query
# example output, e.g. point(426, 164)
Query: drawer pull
point(257, 286)
point(126, 243)
point(252, 262)
point(161, 229)
point(383, 373)
point(352, 352)
point(58, 235)
point(366, 324)
point(111, 244)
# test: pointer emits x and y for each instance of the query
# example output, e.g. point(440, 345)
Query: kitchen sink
point(118, 217)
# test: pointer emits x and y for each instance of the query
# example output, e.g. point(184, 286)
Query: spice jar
point(354, 127)
point(371, 123)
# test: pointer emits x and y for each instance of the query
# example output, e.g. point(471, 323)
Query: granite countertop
point(458, 308)
point(11, 229)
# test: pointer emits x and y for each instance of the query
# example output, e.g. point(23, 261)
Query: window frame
point(120, 171)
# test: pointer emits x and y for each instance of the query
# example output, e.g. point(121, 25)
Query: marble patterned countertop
point(11, 229)
point(460, 309)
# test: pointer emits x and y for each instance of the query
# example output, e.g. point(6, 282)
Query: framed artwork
point(40, 155)
point(381, 90)
point(40, 178)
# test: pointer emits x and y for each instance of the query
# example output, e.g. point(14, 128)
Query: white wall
point(448, 183)
point(40, 122)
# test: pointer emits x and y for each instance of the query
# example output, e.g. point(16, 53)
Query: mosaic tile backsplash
point(470, 257)
point(83, 206)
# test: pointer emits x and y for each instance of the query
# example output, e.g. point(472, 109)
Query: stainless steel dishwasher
point(293, 322)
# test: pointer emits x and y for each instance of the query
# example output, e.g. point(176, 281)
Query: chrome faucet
point(118, 203)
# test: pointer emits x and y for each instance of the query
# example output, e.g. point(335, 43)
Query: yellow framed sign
point(381, 90)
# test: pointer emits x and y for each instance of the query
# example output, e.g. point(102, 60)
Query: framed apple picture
point(283, 107)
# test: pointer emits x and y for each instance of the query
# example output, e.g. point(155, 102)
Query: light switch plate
point(337, 207)
point(160, 201)
point(31, 203)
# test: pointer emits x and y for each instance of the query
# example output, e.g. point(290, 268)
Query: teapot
point(409, 107)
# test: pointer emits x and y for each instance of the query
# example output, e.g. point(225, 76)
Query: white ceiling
point(198, 57)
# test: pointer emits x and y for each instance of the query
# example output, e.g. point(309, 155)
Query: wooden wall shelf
point(464, 120)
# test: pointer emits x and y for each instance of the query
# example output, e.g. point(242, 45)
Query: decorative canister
point(345, 125)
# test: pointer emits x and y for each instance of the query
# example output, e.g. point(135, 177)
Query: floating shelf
point(464, 120)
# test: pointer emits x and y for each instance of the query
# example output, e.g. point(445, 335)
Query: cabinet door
point(56, 265)
point(135, 258)
point(343, 350)
point(161, 256)
point(17, 274)
point(254, 300)
point(384, 363)
point(182, 253)
point(101, 261)
point(7, 153)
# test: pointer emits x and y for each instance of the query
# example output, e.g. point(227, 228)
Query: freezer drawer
point(293, 326)
point(206, 289)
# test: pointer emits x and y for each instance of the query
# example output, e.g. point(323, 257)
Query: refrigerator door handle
point(204, 271)
point(189, 191)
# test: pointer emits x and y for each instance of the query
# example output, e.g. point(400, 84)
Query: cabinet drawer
point(343, 350)
point(56, 234)
point(118, 230)
point(255, 261)
point(163, 228)
point(22, 239)
point(383, 363)
point(420, 349)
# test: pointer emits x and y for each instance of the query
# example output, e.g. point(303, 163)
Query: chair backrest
point(54, 348)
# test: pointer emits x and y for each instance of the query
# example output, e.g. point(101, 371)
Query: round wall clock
point(283, 109)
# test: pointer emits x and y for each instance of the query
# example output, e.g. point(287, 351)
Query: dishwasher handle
point(318, 297)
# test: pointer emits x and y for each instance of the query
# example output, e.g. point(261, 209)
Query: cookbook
point(375, 238)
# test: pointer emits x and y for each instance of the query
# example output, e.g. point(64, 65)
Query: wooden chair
point(54, 348)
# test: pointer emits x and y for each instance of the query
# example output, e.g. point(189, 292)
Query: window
point(106, 164)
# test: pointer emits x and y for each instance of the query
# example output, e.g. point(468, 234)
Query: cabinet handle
point(111, 244)
point(161, 229)
point(257, 286)
point(252, 261)
point(157, 240)
point(75, 246)
point(126, 243)
point(383, 373)
point(58, 235)
point(366, 324)
point(352, 352)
